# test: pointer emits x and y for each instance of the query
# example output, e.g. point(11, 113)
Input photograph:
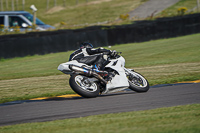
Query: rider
point(90, 56)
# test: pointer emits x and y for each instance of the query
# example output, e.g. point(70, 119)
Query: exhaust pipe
point(87, 72)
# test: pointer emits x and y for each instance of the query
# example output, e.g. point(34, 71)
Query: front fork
point(129, 73)
point(131, 76)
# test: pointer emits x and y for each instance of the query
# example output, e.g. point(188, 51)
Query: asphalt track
point(62, 108)
point(151, 7)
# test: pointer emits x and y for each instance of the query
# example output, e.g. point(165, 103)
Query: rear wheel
point(83, 86)
point(137, 82)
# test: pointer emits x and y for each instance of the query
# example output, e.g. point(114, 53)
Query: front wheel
point(137, 82)
point(83, 86)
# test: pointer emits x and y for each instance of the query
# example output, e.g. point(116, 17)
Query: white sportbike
point(90, 83)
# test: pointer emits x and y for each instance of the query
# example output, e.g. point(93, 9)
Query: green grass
point(84, 14)
point(173, 10)
point(92, 12)
point(179, 119)
point(161, 61)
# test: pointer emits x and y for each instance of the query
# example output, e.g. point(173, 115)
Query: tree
point(47, 4)
point(23, 4)
point(1, 5)
point(16, 4)
point(55, 2)
point(13, 5)
point(64, 3)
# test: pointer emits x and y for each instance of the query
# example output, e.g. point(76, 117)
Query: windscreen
point(30, 18)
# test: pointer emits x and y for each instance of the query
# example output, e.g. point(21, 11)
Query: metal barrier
point(63, 40)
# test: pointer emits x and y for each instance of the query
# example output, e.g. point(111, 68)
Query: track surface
point(110, 103)
point(151, 7)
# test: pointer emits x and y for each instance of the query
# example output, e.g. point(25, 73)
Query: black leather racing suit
point(90, 56)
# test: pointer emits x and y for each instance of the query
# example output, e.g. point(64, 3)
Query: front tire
point(137, 82)
point(84, 87)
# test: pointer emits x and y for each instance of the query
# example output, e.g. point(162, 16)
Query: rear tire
point(83, 87)
point(138, 83)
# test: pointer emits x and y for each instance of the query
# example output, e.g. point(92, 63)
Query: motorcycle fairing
point(118, 81)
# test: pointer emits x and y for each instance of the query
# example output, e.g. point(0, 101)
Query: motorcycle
point(89, 82)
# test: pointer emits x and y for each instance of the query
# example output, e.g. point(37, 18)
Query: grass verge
point(179, 119)
point(90, 12)
point(161, 61)
point(173, 10)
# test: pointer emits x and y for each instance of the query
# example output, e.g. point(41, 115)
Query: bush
point(182, 10)
point(124, 16)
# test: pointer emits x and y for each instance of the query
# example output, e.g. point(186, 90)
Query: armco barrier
point(42, 43)
point(150, 30)
point(62, 40)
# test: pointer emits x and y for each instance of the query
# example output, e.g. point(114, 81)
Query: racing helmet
point(86, 45)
